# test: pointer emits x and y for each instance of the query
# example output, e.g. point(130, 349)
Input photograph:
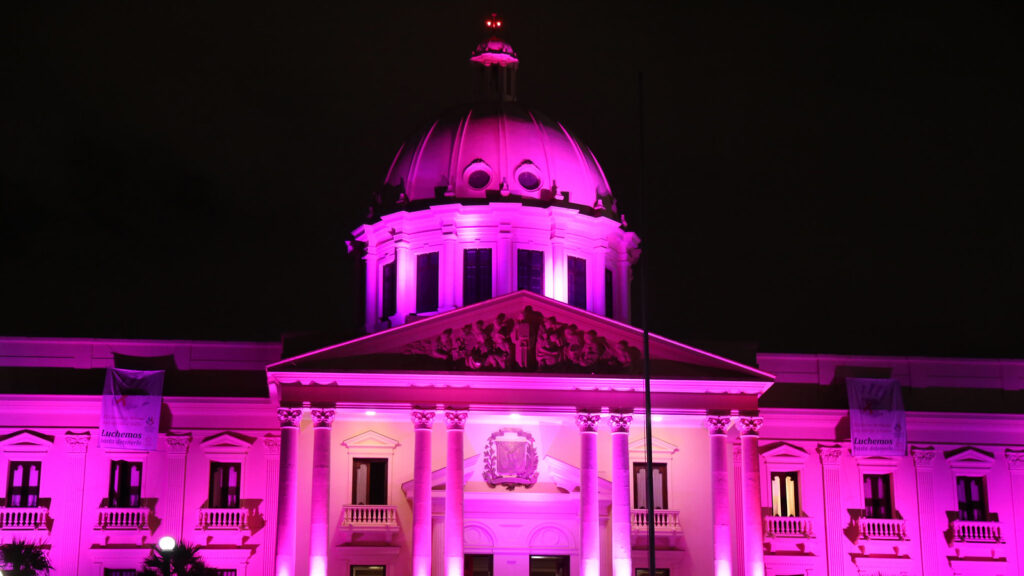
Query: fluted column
point(272, 457)
point(453, 494)
point(830, 456)
point(423, 422)
point(753, 539)
point(73, 475)
point(622, 556)
point(590, 528)
point(176, 446)
point(721, 542)
point(923, 459)
point(287, 500)
point(318, 514)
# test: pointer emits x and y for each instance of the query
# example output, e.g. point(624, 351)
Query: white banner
point(130, 416)
point(878, 423)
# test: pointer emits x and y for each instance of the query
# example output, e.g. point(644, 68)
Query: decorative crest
point(510, 459)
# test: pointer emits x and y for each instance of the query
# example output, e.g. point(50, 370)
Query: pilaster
point(923, 466)
point(76, 445)
point(272, 463)
point(176, 446)
point(830, 457)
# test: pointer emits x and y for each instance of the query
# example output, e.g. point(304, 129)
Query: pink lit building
point(491, 421)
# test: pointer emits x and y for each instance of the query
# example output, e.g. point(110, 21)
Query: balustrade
point(664, 520)
point(223, 519)
point(22, 518)
point(123, 519)
point(882, 528)
point(787, 527)
point(970, 531)
point(369, 516)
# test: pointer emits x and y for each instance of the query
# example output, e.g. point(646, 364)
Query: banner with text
point(878, 423)
point(130, 414)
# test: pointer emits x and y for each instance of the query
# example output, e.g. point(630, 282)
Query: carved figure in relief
point(594, 349)
point(550, 343)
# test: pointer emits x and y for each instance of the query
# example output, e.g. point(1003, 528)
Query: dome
point(492, 151)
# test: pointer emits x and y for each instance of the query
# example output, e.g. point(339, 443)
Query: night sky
point(821, 177)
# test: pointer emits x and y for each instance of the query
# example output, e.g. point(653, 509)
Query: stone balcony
point(788, 527)
point(12, 518)
point(369, 524)
point(881, 529)
point(223, 519)
point(974, 531)
point(667, 530)
point(123, 519)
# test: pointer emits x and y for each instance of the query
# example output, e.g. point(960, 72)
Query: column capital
point(322, 417)
point(455, 419)
point(749, 425)
point(272, 444)
point(422, 419)
point(289, 417)
point(77, 441)
point(830, 455)
point(923, 456)
point(619, 423)
point(587, 421)
point(717, 424)
point(178, 443)
point(1015, 459)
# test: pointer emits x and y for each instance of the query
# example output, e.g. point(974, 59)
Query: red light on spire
point(493, 22)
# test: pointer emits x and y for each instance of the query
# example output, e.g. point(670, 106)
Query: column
point(373, 311)
point(449, 268)
point(1015, 462)
point(923, 458)
point(272, 457)
point(423, 422)
point(453, 494)
point(753, 540)
point(596, 265)
point(590, 527)
point(622, 550)
point(288, 496)
point(176, 446)
point(319, 511)
point(73, 475)
point(405, 280)
point(720, 539)
point(830, 456)
point(504, 261)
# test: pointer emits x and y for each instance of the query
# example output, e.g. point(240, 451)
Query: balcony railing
point(123, 519)
point(22, 518)
point(223, 519)
point(369, 516)
point(971, 531)
point(664, 520)
point(787, 527)
point(882, 528)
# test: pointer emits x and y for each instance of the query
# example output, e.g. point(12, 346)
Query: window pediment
point(370, 444)
point(26, 441)
point(783, 453)
point(662, 451)
point(227, 443)
point(969, 458)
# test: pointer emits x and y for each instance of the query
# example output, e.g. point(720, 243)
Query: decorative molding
point(924, 456)
point(587, 421)
point(455, 419)
point(322, 417)
point(26, 441)
point(177, 443)
point(227, 443)
point(783, 453)
point(289, 417)
point(659, 449)
point(422, 419)
point(370, 443)
point(272, 445)
point(749, 425)
point(619, 423)
point(510, 459)
point(77, 441)
point(530, 341)
point(830, 455)
point(969, 459)
point(1015, 459)
point(717, 424)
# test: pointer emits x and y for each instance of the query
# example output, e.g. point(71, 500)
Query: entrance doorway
point(549, 566)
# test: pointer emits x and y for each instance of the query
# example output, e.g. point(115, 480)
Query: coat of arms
point(510, 460)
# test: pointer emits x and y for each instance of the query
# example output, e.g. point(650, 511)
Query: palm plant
point(23, 558)
point(182, 560)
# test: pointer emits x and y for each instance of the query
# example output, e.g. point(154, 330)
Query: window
point(125, 484)
point(530, 271)
point(785, 494)
point(227, 572)
point(549, 566)
point(370, 481)
point(119, 572)
point(479, 565)
point(476, 275)
point(878, 496)
point(426, 282)
point(609, 297)
point(23, 484)
point(646, 572)
point(971, 498)
point(577, 282)
point(660, 474)
point(364, 570)
point(389, 295)
point(224, 481)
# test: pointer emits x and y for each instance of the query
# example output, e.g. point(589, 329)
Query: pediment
point(370, 443)
point(969, 458)
point(660, 449)
point(26, 441)
point(783, 452)
point(227, 443)
point(514, 333)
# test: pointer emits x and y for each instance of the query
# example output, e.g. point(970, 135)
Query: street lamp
point(166, 544)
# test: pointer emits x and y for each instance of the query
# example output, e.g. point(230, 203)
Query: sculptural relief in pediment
point(529, 341)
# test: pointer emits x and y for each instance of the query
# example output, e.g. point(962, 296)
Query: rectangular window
point(23, 484)
point(549, 566)
point(530, 271)
point(878, 496)
point(426, 282)
point(476, 275)
point(785, 494)
point(388, 291)
point(609, 294)
point(225, 478)
point(577, 282)
point(660, 474)
point(367, 570)
point(971, 498)
point(370, 481)
point(479, 565)
point(657, 572)
point(125, 484)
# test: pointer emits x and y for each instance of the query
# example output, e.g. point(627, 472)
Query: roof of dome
point(492, 150)
point(494, 51)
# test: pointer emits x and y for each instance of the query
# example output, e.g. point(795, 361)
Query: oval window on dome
point(478, 179)
point(529, 180)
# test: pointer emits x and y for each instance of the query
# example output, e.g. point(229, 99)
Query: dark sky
point(822, 177)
